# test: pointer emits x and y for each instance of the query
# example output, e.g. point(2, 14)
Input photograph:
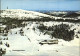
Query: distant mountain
point(56, 13)
point(69, 14)
point(72, 14)
point(22, 14)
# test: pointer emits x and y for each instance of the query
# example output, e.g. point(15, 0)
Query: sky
point(41, 4)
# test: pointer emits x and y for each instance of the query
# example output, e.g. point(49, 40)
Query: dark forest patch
point(61, 31)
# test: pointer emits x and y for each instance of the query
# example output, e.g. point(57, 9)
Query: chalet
point(52, 41)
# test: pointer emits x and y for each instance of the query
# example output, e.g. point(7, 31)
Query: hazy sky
point(41, 4)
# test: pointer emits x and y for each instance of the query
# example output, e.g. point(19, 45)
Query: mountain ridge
point(19, 13)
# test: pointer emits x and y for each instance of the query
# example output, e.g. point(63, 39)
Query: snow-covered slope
point(33, 48)
point(59, 12)
point(27, 44)
point(25, 14)
point(22, 14)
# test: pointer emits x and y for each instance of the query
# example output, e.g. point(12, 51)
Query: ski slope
point(29, 42)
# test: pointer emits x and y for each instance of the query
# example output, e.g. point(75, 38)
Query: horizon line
point(45, 10)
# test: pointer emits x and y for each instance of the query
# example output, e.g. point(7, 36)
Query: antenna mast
point(7, 7)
